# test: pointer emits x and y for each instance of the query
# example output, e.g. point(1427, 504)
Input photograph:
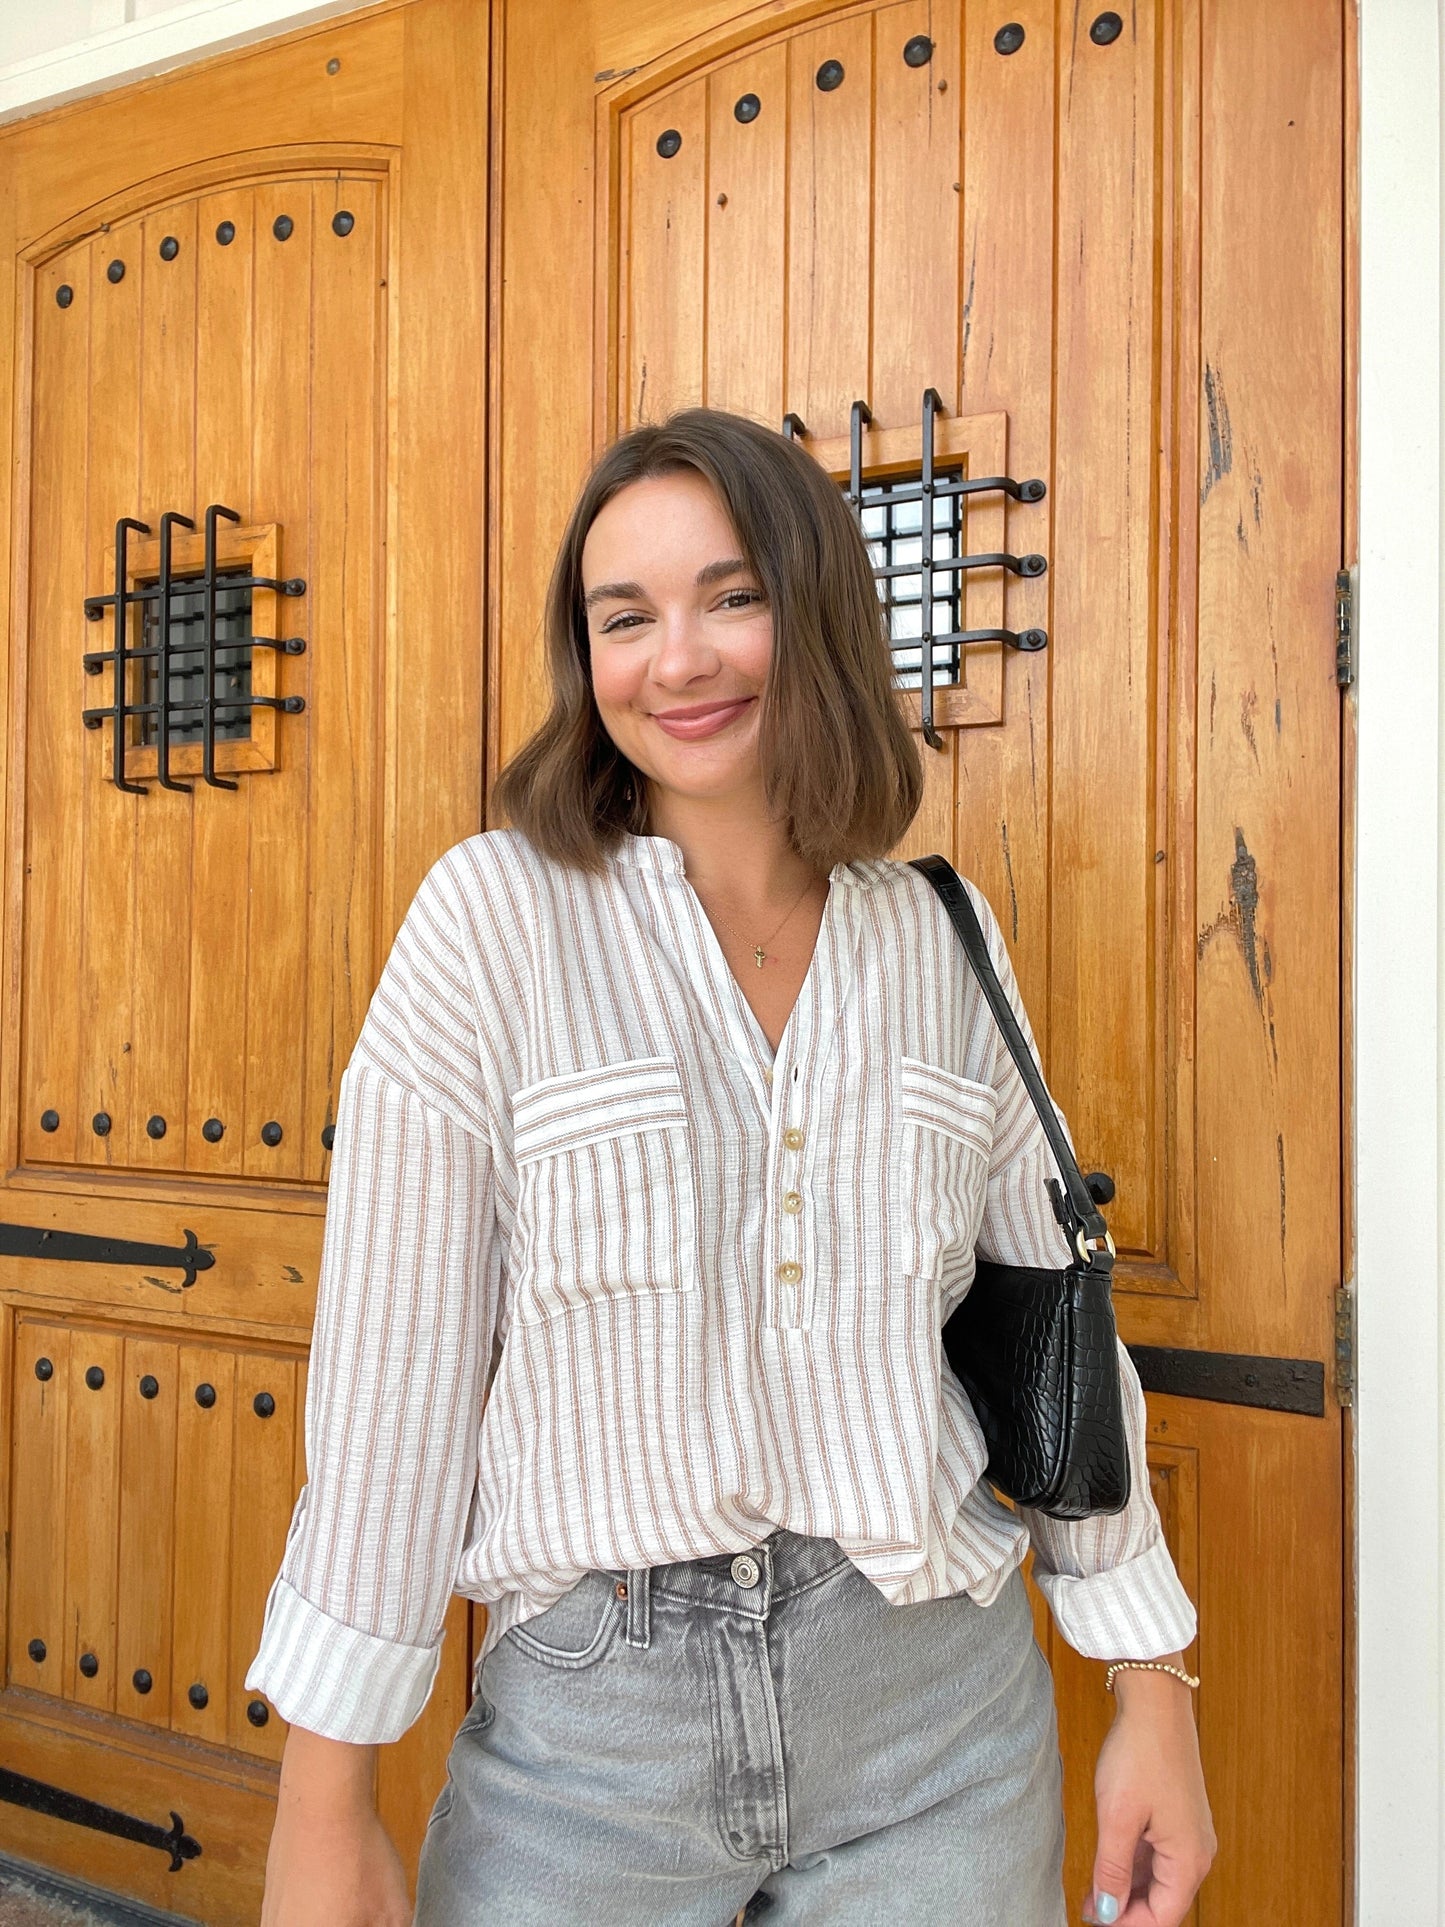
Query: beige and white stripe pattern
point(604, 1284)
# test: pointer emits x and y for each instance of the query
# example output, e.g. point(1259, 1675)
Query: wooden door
point(253, 289)
point(1113, 245)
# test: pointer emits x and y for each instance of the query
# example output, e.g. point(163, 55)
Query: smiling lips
point(703, 719)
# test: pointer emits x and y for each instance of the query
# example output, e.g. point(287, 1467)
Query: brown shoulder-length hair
point(839, 762)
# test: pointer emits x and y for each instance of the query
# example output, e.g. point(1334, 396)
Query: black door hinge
point(1345, 1345)
point(1344, 630)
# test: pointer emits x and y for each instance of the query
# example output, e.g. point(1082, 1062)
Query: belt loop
point(639, 1607)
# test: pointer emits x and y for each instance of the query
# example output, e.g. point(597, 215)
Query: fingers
point(1115, 1865)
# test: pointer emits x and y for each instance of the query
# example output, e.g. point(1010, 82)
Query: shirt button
point(745, 1570)
point(790, 1271)
point(793, 1138)
point(792, 1201)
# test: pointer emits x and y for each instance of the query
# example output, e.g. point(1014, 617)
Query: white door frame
point(1400, 1438)
point(1397, 987)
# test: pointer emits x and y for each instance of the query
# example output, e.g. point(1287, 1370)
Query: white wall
point(1397, 971)
point(66, 48)
point(57, 50)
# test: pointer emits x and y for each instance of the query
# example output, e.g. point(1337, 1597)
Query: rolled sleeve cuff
point(327, 1677)
point(1136, 1610)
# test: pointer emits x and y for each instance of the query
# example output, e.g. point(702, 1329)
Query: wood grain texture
point(231, 939)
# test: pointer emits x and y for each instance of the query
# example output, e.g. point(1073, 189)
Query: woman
point(666, 1148)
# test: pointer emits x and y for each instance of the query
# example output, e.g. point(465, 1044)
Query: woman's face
point(681, 636)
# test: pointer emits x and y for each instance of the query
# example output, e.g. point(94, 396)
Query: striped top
point(606, 1284)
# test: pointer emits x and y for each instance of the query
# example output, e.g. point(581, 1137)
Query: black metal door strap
point(1233, 1378)
point(57, 1804)
point(166, 649)
point(81, 1247)
point(928, 489)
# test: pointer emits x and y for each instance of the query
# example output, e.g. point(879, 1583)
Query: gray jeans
point(666, 1746)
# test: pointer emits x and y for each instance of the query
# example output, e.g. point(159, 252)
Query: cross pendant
point(758, 954)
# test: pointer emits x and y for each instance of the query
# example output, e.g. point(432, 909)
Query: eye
point(616, 623)
point(740, 598)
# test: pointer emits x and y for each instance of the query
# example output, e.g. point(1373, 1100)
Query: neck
point(730, 846)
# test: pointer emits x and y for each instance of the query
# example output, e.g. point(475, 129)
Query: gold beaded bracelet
point(1146, 1666)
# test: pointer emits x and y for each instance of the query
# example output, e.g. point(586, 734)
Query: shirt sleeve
point(1109, 1580)
point(407, 1298)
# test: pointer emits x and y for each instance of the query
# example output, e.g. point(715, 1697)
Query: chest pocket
point(945, 1140)
point(606, 1192)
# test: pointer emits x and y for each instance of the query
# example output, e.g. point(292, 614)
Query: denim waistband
point(749, 1582)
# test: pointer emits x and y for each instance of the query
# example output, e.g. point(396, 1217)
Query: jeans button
point(745, 1570)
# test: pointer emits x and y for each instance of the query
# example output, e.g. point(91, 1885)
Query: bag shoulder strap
point(949, 885)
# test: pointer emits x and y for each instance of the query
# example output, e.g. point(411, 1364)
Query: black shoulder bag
point(1036, 1351)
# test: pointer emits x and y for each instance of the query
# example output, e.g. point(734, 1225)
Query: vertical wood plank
point(38, 1506)
point(279, 801)
point(747, 164)
point(164, 899)
point(666, 292)
point(58, 747)
point(1267, 791)
point(915, 213)
point(830, 225)
point(147, 1528)
point(110, 820)
point(264, 1464)
point(205, 1495)
point(1105, 655)
point(92, 1506)
point(1005, 307)
point(224, 348)
point(342, 613)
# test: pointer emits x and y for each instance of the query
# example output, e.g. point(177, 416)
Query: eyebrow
point(633, 591)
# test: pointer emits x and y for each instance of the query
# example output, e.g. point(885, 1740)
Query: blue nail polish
point(1106, 1908)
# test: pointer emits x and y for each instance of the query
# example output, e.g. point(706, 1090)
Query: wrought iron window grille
point(913, 523)
point(193, 681)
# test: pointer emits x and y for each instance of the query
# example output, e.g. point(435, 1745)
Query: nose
point(682, 651)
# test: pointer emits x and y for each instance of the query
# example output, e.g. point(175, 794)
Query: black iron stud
point(37, 1650)
point(333, 66)
point(44, 1369)
point(50, 1120)
point(271, 1133)
point(100, 1124)
point(141, 1680)
point(1101, 1186)
point(149, 1386)
point(263, 1405)
point(116, 271)
point(283, 227)
point(94, 1377)
point(226, 233)
point(668, 143)
point(89, 1665)
point(170, 248)
point(258, 1712)
point(748, 108)
point(1107, 27)
point(213, 1130)
point(328, 1136)
point(198, 1696)
point(155, 1126)
point(205, 1397)
point(343, 221)
point(829, 76)
point(1009, 39)
point(64, 295)
point(919, 50)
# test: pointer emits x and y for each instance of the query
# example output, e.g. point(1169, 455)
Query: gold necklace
point(759, 953)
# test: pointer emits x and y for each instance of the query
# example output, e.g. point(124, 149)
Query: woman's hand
point(330, 1862)
point(1156, 1836)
